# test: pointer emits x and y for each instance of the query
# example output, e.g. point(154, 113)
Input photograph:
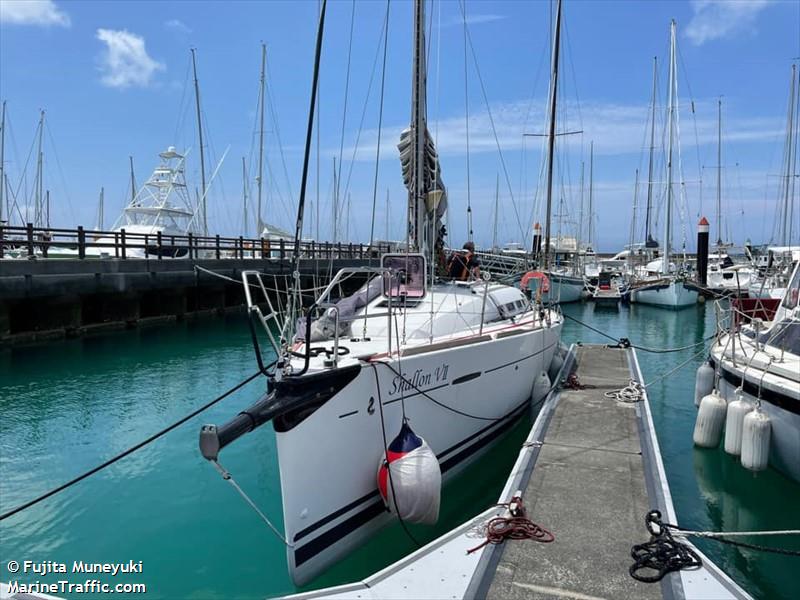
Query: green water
point(66, 406)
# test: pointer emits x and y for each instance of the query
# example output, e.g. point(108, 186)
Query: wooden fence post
point(158, 242)
point(190, 245)
point(122, 241)
point(81, 242)
point(30, 239)
point(216, 238)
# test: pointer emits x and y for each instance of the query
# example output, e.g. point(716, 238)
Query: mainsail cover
point(432, 173)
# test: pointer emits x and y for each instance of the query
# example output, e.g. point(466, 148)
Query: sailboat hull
point(669, 294)
point(328, 462)
point(565, 289)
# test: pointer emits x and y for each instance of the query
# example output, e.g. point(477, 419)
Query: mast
point(496, 206)
point(47, 208)
point(787, 195)
point(100, 210)
point(633, 220)
point(244, 198)
point(262, 94)
point(2, 160)
point(39, 198)
point(133, 180)
point(417, 208)
point(590, 233)
point(335, 204)
point(580, 220)
point(719, 172)
point(387, 214)
point(202, 151)
point(649, 242)
point(551, 140)
point(671, 126)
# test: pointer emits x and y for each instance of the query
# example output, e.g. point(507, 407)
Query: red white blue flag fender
point(411, 481)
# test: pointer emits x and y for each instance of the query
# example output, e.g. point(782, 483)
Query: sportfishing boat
point(162, 206)
point(456, 362)
point(758, 364)
point(665, 283)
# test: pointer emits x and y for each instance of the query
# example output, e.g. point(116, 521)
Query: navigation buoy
point(737, 411)
point(541, 386)
point(555, 366)
point(413, 488)
point(710, 419)
point(756, 432)
point(703, 382)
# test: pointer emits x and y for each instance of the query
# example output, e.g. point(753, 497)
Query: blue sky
point(113, 78)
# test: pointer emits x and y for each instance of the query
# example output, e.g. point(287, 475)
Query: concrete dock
point(588, 488)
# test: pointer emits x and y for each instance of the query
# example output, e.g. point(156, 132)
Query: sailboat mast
point(262, 94)
point(200, 136)
point(551, 140)
point(417, 208)
point(633, 220)
point(100, 211)
point(2, 160)
point(133, 180)
point(670, 131)
point(590, 233)
point(648, 237)
point(244, 198)
point(47, 208)
point(719, 172)
point(38, 208)
point(580, 219)
point(787, 196)
point(496, 207)
point(334, 218)
point(387, 214)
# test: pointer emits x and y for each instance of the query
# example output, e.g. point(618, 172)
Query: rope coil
point(631, 393)
point(517, 526)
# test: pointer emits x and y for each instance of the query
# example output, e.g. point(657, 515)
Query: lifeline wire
point(642, 348)
point(130, 450)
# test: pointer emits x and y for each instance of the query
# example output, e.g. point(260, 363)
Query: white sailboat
point(456, 361)
point(761, 364)
point(665, 285)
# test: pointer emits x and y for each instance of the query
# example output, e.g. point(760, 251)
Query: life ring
point(523, 284)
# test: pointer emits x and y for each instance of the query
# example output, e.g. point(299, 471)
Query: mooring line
point(130, 450)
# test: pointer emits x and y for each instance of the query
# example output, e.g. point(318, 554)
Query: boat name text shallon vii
point(420, 378)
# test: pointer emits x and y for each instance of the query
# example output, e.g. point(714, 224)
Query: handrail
point(80, 243)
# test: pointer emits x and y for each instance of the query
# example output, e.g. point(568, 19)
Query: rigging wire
point(380, 128)
point(346, 96)
point(494, 128)
point(133, 448)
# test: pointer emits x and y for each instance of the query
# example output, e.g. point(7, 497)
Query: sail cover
point(431, 183)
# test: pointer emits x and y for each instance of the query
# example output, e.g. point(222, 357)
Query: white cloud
point(716, 19)
point(177, 25)
point(616, 128)
point(125, 63)
point(33, 12)
point(475, 19)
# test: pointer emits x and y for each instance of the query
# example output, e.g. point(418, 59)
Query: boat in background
point(665, 284)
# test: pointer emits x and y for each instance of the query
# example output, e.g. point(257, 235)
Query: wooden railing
point(40, 242)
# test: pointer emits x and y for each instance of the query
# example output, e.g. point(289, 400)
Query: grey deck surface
point(588, 488)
